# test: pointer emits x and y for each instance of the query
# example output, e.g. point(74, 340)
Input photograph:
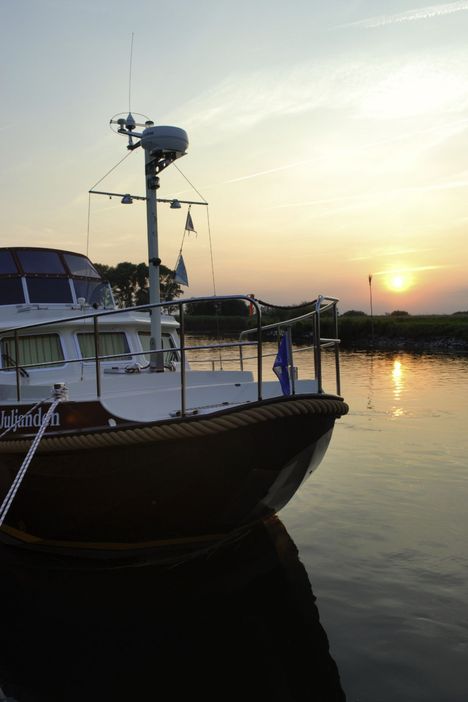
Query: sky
point(329, 138)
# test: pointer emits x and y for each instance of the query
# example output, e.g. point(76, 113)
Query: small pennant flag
point(251, 307)
point(189, 224)
point(281, 366)
point(181, 276)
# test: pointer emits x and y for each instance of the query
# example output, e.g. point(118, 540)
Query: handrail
point(293, 320)
point(135, 308)
point(132, 354)
point(98, 358)
point(321, 304)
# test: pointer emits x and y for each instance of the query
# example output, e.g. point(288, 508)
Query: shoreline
point(432, 333)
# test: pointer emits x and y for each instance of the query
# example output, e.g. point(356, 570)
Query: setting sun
point(398, 282)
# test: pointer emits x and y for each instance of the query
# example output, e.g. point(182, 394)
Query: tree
point(130, 282)
point(399, 313)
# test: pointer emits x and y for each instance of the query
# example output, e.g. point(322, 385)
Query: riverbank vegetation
point(397, 329)
point(355, 330)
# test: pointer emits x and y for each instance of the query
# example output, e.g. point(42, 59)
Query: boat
point(113, 442)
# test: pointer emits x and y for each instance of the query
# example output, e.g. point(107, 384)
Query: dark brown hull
point(185, 483)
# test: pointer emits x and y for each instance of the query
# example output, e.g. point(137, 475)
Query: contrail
point(411, 15)
point(271, 170)
point(415, 269)
point(400, 252)
point(365, 198)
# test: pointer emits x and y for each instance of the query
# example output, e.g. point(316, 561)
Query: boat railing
point(320, 305)
point(98, 358)
point(323, 304)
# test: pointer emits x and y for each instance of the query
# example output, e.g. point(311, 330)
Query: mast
point(152, 184)
point(162, 146)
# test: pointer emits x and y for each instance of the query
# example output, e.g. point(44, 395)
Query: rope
point(60, 394)
point(181, 428)
point(286, 307)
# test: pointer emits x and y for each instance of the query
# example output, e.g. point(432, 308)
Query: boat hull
point(184, 483)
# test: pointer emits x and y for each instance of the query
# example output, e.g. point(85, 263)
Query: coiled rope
point(60, 393)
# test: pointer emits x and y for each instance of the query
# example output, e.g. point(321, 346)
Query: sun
point(398, 282)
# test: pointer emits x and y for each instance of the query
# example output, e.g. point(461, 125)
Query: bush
point(234, 308)
point(354, 313)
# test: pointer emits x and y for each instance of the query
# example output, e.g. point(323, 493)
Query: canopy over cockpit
point(31, 275)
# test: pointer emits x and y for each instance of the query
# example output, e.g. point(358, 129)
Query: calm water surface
point(377, 535)
point(381, 528)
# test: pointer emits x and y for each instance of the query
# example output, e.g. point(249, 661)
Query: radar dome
point(165, 140)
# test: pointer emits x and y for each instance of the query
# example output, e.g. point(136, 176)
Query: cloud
point(400, 87)
point(422, 13)
point(352, 202)
point(435, 135)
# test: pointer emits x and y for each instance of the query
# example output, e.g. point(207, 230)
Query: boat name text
point(14, 420)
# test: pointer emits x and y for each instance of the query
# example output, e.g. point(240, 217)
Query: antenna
point(130, 76)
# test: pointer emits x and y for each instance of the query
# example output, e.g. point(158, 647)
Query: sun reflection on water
point(398, 386)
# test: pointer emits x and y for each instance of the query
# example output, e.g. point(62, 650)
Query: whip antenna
point(130, 75)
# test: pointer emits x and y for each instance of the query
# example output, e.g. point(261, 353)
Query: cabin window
point(167, 343)
point(110, 344)
point(39, 348)
point(11, 291)
point(94, 292)
point(34, 261)
point(79, 265)
point(7, 263)
point(49, 290)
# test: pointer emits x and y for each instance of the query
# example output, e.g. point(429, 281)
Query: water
point(381, 528)
point(377, 535)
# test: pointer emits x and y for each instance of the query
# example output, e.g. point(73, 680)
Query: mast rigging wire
point(130, 75)
point(92, 188)
point(209, 226)
point(218, 333)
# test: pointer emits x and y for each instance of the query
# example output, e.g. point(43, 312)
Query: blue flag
point(181, 276)
point(281, 365)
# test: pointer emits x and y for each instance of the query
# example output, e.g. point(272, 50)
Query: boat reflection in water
point(238, 624)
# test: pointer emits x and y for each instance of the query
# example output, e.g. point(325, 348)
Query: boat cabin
point(38, 285)
point(36, 276)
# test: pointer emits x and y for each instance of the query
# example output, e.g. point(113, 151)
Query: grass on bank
point(353, 330)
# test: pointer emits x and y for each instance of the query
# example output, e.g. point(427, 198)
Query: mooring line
point(60, 393)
